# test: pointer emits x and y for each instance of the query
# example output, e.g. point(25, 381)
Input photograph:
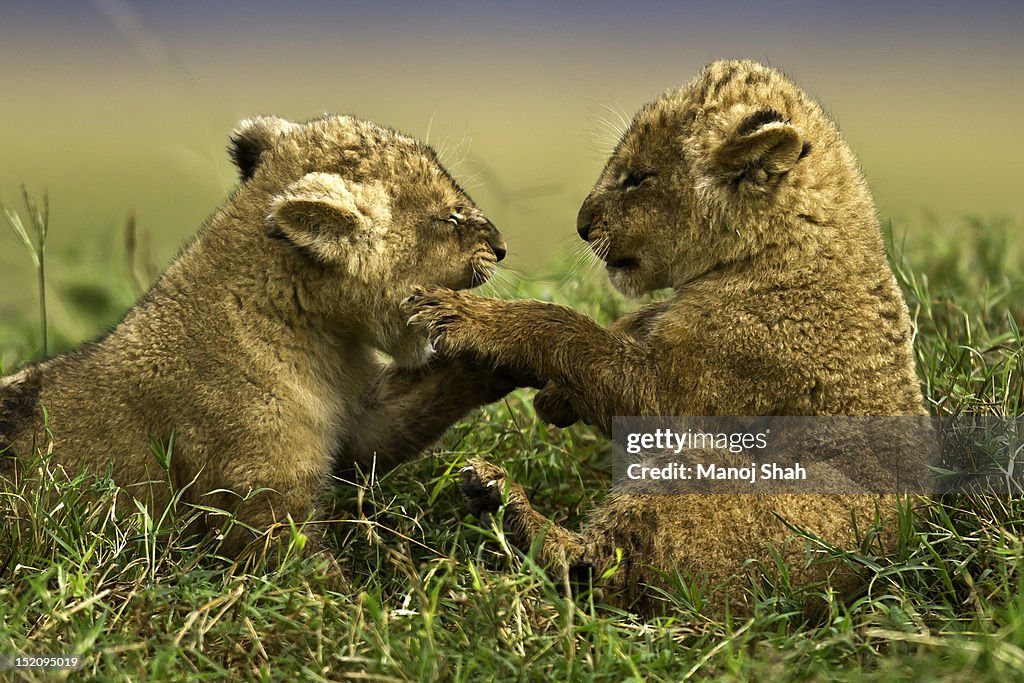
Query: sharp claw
point(467, 468)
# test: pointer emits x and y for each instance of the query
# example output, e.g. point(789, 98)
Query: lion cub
point(257, 349)
point(738, 192)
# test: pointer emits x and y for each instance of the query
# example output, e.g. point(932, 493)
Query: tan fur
point(258, 348)
point(738, 192)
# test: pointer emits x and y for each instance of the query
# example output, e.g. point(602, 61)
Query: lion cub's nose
point(585, 219)
point(494, 239)
point(498, 247)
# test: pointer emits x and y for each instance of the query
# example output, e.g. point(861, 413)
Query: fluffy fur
point(738, 192)
point(258, 348)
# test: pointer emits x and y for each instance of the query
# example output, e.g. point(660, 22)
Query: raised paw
point(482, 484)
point(446, 317)
point(553, 406)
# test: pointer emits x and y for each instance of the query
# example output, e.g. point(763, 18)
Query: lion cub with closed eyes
point(258, 348)
point(739, 193)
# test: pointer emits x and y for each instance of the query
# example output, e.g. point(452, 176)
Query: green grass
point(424, 593)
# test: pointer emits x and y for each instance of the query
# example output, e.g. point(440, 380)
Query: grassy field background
point(425, 593)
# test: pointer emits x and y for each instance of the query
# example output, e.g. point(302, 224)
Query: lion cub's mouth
point(624, 263)
point(482, 269)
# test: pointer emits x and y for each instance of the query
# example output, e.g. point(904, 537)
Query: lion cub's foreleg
point(612, 369)
point(554, 406)
point(405, 410)
point(557, 549)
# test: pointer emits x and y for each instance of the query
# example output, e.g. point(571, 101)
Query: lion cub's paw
point(554, 407)
point(482, 484)
point(448, 318)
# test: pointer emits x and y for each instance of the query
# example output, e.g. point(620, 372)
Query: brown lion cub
point(738, 192)
point(257, 349)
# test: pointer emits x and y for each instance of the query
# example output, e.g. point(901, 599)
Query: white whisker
point(461, 149)
point(624, 119)
point(430, 126)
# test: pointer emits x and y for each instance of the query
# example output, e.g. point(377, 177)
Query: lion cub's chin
point(627, 282)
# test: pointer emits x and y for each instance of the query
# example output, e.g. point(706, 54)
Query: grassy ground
point(424, 593)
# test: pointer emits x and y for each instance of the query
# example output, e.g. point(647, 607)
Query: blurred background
point(117, 107)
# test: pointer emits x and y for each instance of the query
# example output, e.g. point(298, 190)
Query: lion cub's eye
point(456, 217)
point(633, 179)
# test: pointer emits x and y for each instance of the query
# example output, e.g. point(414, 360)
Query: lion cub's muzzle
point(490, 235)
point(476, 228)
point(488, 246)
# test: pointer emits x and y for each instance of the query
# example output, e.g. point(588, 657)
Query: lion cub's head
point(737, 163)
point(371, 212)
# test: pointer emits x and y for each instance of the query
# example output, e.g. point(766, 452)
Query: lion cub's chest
point(322, 405)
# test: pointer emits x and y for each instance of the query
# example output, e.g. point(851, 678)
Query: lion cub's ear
point(325, 214)
point(252, 138)
point(761, 144)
